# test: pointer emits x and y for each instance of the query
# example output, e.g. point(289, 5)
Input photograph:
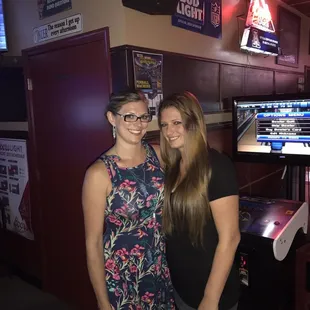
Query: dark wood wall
point(215, 83)
point(254, 178)
point(12, 90)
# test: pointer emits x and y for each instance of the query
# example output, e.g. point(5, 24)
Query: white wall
point(22, 17)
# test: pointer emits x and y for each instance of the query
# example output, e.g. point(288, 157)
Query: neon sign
point(259, 16)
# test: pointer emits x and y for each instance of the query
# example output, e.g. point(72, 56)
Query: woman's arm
point(225, 212)
point(95, 189)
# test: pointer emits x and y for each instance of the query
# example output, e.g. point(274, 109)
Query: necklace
point(140, 183)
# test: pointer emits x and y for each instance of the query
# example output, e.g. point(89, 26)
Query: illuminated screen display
point(273, 127)
point(3, 41)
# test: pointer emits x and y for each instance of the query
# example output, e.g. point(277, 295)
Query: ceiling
point(301, 5)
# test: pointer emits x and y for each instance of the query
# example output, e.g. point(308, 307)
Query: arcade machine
point(271, 231)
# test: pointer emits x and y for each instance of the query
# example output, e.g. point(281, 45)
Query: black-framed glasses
point(131, 118)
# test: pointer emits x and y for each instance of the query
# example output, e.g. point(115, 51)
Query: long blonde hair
point(186, 204)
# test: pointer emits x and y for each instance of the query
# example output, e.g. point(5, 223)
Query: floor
point(16, 294)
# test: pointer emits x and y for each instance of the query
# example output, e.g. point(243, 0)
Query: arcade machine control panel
point(271, 231)
point(278, 220)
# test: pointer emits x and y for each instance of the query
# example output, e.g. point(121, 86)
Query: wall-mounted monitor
point(273, 129)
point(3, 35)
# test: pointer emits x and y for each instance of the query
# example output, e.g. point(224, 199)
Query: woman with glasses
point(122, 204)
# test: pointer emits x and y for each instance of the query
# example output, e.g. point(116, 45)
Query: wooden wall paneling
point(120, 70)
point(286, 83)
point(12, 95)
point(258, 82)
point(261, 180)
point(254, 178)
point(221, 140)
point(199, 77)
point(212, 81)
point(231, 84)
point(307, 78)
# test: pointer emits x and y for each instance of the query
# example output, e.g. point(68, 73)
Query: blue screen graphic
point(274, 127)
point(3, 41)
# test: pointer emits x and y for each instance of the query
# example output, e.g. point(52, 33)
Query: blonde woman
point(200, 214)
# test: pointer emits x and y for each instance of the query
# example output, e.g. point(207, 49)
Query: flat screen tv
point(274, 129)
point(3, 40)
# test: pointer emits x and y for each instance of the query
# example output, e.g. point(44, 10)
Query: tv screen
point(272, 129)
point(3, 41)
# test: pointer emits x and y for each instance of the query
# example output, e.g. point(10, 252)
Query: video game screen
point(278, 126)
point(3, 43)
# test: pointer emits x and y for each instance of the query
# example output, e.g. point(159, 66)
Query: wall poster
point(48, 8)
point(148, 77)
point(15, 208)
point(289, 38)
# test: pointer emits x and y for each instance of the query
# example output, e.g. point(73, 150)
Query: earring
point(114, 132)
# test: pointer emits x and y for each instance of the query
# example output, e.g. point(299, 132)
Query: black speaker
point(153, 7)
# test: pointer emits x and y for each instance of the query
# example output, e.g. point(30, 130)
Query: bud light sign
point(202, 16)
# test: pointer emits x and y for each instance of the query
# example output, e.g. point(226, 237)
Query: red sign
point(259, 16)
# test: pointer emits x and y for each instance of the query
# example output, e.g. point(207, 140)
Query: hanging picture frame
point(289, 38)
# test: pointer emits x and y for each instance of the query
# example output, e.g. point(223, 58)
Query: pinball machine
point(271, 231)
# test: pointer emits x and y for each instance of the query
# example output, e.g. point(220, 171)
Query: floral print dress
point(137, 274)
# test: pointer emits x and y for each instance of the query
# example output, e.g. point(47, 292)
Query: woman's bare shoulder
point(97, 171)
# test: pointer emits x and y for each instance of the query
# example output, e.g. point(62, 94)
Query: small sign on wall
point(48, 8)
point(63, 27)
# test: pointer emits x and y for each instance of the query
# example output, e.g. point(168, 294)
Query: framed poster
point(289, 38)
point(148, 77)
point(47, 8)
point(14, 187)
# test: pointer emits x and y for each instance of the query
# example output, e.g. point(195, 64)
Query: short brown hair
point(117, 100)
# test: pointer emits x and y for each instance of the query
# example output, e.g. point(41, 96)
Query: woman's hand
point(207, 304)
